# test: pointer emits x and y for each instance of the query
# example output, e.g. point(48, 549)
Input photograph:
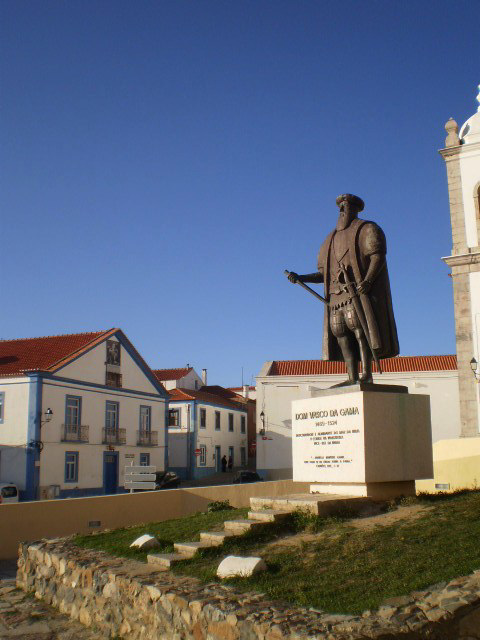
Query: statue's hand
point(293, 277)
point(364, 286)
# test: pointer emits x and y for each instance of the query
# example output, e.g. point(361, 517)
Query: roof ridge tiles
point(60, 335)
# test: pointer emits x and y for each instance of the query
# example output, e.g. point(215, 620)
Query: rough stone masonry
point(130, 599)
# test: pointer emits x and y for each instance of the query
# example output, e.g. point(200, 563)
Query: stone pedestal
point(363, 440)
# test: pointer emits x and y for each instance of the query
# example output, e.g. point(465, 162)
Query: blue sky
point(163, 162)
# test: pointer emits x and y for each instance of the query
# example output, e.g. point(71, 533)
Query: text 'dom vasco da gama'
point(326, 435)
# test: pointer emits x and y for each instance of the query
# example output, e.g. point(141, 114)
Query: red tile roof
point(400, 364)
point(183, 395)
point(250, 387)
point(171, 374)
point(45, 354)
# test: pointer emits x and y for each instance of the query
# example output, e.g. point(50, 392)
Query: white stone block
point(145, 542)
point(236, 566)
point(361, 437)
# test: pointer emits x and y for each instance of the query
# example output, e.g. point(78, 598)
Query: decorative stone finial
point(451, 127)
point(478, 98)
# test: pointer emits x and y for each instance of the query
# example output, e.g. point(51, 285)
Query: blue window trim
point(178, 412)
point(107, 402)
point(75, 456)
point(79, 407)
point(243, 424)
point(2, 403)
point(203, 454)
point(144, 459)
point(231, 422)
point(219, 428)
point(149, 427)
point(203, 412)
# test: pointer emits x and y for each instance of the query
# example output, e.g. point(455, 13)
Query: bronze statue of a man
point(359, 321)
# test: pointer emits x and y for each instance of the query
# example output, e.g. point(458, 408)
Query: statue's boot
point(366, 357)
point(352, 370)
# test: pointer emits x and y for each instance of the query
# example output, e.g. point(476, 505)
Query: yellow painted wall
point(29, 521)
point(456, 463)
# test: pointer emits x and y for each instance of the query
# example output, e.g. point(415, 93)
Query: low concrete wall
point(25, 521)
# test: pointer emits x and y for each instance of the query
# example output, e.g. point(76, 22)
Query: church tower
point(462, 158)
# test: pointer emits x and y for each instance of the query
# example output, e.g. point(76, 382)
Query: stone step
point(189, 549)
point(217, 538)
point(317, 504)
point(268, 515)
point(164, 560)
point(241, 526)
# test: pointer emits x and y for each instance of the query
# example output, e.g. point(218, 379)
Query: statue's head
point(350, 206)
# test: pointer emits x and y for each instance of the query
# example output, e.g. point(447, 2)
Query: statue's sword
point(352, 291)
point(307, 288)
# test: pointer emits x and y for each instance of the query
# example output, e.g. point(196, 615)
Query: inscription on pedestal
point(328, 439)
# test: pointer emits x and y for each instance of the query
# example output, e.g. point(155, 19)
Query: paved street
point(23, 617)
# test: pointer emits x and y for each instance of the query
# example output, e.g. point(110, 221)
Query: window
point(217, 420)
point(230, 421)
point(111, 416)
point(243, 456)
point(144, 459)
point(2, 406)
point(203, 455)
point(174, 417)
point(113, 379)
point(71, 466)
point(145, 418)
point(73, 411)
point(242, 424)
point(203, 418)
point(113, 352)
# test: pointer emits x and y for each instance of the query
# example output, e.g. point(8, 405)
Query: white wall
point(91, 368)
point(223, 438)
point(209, 437)
point(475, 310)
point(52, 459)
point(187, 382)
point(177, 449)
point(470, 176)
point(14, 430)
point(275, 394)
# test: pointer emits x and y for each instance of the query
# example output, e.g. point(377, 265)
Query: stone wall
point(129, 599)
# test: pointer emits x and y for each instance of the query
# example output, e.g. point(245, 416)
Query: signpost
point(140, 477)
point(197, 452)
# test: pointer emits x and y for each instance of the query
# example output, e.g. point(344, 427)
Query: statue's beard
point(344, 219)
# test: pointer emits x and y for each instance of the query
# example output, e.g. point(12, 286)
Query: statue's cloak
point(364, 239)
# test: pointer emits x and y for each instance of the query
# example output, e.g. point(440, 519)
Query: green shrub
point(219, 505)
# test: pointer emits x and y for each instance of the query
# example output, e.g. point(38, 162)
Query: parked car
point(8, 492)
point(166, 480)
point(246, 476)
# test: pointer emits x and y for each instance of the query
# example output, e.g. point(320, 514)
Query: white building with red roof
point(179, 378)
point(204, 426)
point(281, 381)
point(72, 408)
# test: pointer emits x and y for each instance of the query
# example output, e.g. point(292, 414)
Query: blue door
point(110, 472)
point(218, 459)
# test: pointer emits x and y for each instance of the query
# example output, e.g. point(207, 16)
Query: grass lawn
point(118, 542)
point(342, 568)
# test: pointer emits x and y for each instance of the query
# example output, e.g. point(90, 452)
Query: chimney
point(204, 377)
point(245, 390)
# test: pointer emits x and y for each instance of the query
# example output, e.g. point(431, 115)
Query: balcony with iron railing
point(111, 435)
point(74, 433)
point(147, 438)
